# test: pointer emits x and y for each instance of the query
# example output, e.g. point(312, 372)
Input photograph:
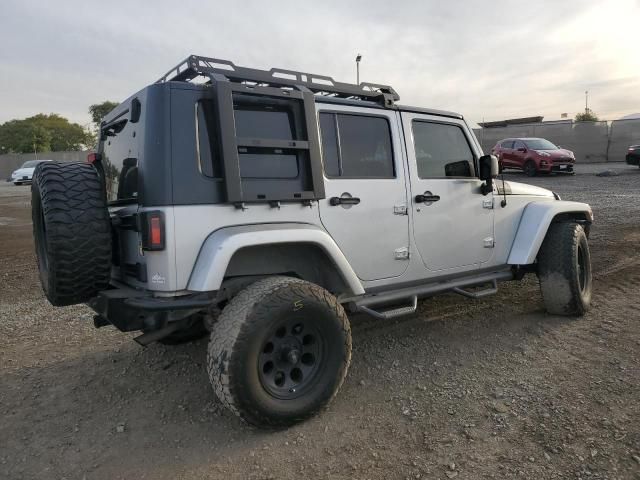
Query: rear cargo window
point(119, 165)
point(207, 142)
point(266, 122)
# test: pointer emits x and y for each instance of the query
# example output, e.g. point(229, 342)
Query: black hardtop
point(157, 140)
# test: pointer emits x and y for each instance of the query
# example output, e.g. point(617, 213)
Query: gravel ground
point(466, 389)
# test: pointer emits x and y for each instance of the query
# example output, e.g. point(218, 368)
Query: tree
point(587, 116)
point(99, 110)
point(43, 133)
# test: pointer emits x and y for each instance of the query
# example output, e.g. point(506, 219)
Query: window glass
point(441, 150)
point(507, 144)
point(267, 123)
point(330, 157)
point(518, 144)
point(267, 163)
point(209, 155)
point(120, 169)
point(359, 148)
point(365, 147)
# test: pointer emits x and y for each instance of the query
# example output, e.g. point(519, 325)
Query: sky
point(489, 59)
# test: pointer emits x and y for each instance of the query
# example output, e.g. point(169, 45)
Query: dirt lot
point(465, 389)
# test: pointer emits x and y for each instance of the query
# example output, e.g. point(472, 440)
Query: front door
point(365, 209)
point(452, 220)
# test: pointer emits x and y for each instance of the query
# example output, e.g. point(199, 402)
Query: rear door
point(365, 210)
point(506, 152)
point(452, 220)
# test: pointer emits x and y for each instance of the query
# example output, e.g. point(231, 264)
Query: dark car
point(633, 155)
point(533, 156)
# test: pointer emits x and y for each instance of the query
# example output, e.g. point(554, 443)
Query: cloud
point(484, 59)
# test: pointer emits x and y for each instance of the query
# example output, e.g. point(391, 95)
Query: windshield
point(32, 163)
point(540, 144)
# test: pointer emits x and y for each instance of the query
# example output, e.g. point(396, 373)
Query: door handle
point(344, 201)
point(427, 197)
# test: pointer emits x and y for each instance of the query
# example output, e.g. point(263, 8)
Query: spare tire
point(71, 230)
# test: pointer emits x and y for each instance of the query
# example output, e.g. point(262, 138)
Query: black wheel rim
point(530, 169)
point(290, 358)
point(582, 269)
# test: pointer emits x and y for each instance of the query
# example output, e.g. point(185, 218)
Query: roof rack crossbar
point(195, 66)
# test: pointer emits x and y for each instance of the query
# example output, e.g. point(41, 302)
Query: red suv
point(533, 156)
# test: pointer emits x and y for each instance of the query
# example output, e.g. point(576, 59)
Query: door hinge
point(401, 253)
point(487, 203)
point(489, 242)
point(400, 210)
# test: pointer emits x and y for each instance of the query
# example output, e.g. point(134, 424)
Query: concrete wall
point(11, 161)
point(590, 141)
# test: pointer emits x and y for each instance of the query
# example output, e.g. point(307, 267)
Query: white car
point(25, 173)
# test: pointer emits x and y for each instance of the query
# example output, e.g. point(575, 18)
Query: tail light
point(153, 234)
point(93, 158)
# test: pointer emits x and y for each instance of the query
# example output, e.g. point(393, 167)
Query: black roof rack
point(196, 66)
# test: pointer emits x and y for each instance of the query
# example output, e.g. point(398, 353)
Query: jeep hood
point(515, 188)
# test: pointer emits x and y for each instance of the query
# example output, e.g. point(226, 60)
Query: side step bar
point(411, 294)
point(396, 312)
point(482, 293)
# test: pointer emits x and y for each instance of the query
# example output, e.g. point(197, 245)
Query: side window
point(356, 146)
point(442, 150)
point(207, 142)
point(518, 144)
point(507, 144)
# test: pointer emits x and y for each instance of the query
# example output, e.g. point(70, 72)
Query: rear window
point(119, 163)
point(32, 163)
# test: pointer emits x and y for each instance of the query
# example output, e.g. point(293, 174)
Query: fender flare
point(220, 246)
point(534, 223)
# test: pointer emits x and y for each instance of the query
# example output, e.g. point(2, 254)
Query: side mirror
point(488, 171)
point(522, 149)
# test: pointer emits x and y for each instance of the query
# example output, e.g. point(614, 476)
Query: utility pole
point(358, 58)
point(586, 102)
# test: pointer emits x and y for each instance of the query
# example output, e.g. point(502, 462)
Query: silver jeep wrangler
point(261, 206)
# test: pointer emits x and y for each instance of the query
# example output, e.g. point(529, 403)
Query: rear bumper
point(130, 310)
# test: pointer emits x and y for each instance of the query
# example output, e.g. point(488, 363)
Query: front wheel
point(279, 351)
point(564, 270)
point(530, 168)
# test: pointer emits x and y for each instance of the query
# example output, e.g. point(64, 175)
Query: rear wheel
point(71, 230)
point(279, 351)
point(530, 168)
point(564, 270)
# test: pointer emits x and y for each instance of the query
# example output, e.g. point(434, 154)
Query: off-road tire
point(530, 169)
point(237, 342)
point(71, 230)
point(564, 270)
